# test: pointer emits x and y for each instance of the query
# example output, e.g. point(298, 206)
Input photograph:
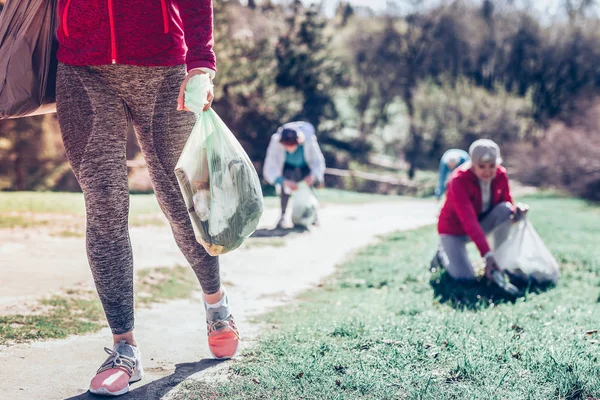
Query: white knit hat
point(485, 150)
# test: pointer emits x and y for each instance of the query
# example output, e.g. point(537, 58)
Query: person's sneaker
point(223, 335)
point(123, 366)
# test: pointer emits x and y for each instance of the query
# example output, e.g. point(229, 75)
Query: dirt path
point(172, 335)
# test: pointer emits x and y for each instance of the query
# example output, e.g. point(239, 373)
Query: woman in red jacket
point(478, 201)
point(130, 61)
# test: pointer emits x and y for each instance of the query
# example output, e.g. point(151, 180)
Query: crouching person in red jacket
point(478, 201)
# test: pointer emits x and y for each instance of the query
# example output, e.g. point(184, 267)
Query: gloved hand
point(520, 212)
point(490, 265)
point(494, 274)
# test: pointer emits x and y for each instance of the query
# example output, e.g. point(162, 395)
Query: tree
point(303, 63)
point(576, 9)
point(30, 149)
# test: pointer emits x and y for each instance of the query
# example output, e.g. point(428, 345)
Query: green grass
point(80, 312)
point(66, 203)
point(35, 209)
point(386, 328)
point(162, 284)
point(11, 221)
point(335, 196)
point(263, 242)
point(141, 204)
point(73, 314)
point(69, 233)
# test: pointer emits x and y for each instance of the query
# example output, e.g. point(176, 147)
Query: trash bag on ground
point(520, 251)
point(305, 205)
point(28, 57)
point(218, 182)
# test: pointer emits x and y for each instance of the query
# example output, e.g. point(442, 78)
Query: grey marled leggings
point(94, 104)
point(453, 249)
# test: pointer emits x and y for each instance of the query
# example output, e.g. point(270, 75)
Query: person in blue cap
point(451, 160)
point(293, 156)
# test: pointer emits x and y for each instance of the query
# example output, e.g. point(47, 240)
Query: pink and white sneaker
point(122, 367)
point(223, 334)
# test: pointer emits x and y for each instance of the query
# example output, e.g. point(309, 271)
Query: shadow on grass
point(277, 232)
point(475, 295)
point(158, 388)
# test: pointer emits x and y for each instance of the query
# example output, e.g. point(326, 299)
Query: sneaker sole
point(106, 392)
point(139, 374)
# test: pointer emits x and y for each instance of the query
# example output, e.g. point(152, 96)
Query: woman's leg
point(496, 223)
point(151, 95)
point(453, 251)
point(289, 173)
point(93, 124)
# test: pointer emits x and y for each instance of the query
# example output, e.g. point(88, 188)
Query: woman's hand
point(309, 180)
point(520, 212)
point(293, 186)
point(490, 266)
point(181, 98)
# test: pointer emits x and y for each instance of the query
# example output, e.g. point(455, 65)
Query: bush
point(448, 117)
point(566, 157)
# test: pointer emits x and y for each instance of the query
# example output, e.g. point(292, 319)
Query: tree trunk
point(415, 139)
point(19, 175)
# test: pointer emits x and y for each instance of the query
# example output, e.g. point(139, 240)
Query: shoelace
point(118, 360)
point(220, 324)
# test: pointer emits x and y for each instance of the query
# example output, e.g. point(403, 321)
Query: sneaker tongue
point(215, 314)
point(217, 311)
point(124, 349)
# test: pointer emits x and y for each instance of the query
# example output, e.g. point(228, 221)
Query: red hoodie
point(460, 214)
point(136, 32)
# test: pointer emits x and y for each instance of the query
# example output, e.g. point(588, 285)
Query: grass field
point(386, 328)
point(51, 209)
point(79, 312)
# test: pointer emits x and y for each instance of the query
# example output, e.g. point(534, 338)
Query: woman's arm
point(317, 161)
point(272, 167)
point(467, 215)
point(197, 18)
point(506, 195)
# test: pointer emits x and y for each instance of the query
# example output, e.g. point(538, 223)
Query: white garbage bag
point(305, 205)
point(520, 251)
point(218, 181)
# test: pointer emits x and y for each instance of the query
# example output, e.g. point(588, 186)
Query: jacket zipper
point(64, 18)
point(113, 44)
point(165, 16)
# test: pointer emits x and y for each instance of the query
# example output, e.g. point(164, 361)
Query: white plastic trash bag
point(523, 253)
point(218, 182)
point(305, 205)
